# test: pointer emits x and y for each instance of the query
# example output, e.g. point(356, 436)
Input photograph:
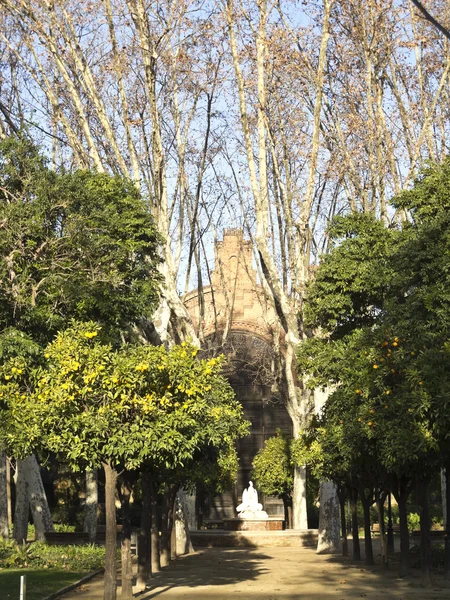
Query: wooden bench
point(69, 538)
point(434, 533)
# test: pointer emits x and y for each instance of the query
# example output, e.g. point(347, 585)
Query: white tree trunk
point(329, 522)
point(299, 511)
point(329, 510)
point(183, 539)
point(3, 497)
point(90, 508)
point(444, 496)
point(40, 511)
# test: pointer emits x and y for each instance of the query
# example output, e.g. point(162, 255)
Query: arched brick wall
point(236, 305)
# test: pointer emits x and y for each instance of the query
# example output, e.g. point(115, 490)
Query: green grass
point(40, 583)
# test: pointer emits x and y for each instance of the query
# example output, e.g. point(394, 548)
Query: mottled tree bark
point(90, 509)
point(183, 544)
point(40, 510)
point(329, 529)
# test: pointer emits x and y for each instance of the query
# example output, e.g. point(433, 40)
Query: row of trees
point(265, 115)
point(78, 246)
point(140, 412)
point(379, 306)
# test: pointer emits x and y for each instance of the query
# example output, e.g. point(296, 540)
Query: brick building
point(234, 316)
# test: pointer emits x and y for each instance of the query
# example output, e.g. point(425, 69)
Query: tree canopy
point(72, 245)
point(380, 307)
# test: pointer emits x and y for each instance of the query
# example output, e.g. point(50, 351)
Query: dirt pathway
point(273, 574)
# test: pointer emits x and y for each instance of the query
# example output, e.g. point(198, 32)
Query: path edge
point(73, 586)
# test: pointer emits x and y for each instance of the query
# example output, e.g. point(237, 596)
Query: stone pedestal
point(253, 524)
point(254, 539)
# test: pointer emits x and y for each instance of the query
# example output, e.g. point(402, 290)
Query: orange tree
point(119, 408)
point(73, 244)
point(380, 300)
point(273, 470)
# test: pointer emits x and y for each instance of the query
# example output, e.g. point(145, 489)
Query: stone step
point(254, 539)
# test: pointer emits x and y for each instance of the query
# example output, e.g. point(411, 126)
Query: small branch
point(431, 19)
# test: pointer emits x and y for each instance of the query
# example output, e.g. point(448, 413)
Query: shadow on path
point(274, 574)
point(283, 574)
point(210, 568)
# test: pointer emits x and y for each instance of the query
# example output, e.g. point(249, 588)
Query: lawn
point(40, 583)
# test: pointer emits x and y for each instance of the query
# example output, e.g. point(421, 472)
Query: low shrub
point(39, 555)
point(413, 521)
point(64, 528)
point(437, 556)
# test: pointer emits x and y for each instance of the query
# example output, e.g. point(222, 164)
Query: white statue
point(250, 508)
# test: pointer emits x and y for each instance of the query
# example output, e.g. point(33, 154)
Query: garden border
point(72, 586)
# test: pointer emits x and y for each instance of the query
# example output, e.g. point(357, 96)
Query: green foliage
point(413, 521)
point(39, 555)
point(437, 556)
point(273, 467)
point(80, 245)
point(351, 284)
point(136, 404)
point(381, 306)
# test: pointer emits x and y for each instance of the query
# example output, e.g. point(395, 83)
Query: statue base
point(253, 524)
point(259, 515)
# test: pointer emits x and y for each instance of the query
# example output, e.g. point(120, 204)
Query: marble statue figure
point(250, 508)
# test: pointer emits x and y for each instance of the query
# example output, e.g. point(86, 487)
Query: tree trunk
point(110, 591)
point(183, 544)
point(341, 495)
point(200, 498)
point(404, 534)
point(329, 529)
point(401, 488)
point(355, 533)
point(425, 540)
point(144, 536)
point(40, 511)
point(166, 517)
point(4, 532)
point(171, 528)
point(380, 498)
point(90, 509)
point(125, 488)
point(287, 503)
point(299, 509)
point(155, 542)
point(366, 503)
point(9, 491)
point(22, 509)
point(446, 495)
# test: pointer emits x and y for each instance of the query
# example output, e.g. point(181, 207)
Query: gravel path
point(273, 574)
